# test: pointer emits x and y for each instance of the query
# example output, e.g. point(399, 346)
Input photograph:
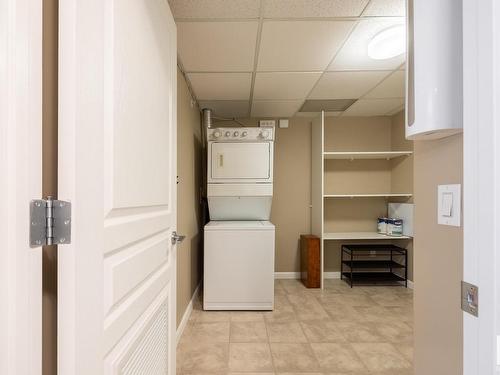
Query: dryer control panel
point(240, 134)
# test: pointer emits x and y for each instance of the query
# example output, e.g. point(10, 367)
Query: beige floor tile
point(390, 299)
point(213, 316)
point(360, 332)
point(247, 316)
point(285, 332)
point(203, 357)
point(395, 331)
point(212, 332)
point(322, 330)
point(379, 357)
point(337, 357)
point(281, 313)
point(307, 307)
point(250, 357)
point(340, 313)
point(248, 332)
point(293, 357)
point(407, 350)
point(354, 300)
point(250, 373)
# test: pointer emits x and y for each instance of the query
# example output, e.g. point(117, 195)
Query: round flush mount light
point(390, 42)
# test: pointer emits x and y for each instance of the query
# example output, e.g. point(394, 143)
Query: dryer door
point(241, 162)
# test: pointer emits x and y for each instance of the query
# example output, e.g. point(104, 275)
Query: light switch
point(449, 204)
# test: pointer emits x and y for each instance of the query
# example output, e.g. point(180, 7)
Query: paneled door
point(117, 165)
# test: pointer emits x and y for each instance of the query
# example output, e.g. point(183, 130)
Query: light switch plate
point(449, 204)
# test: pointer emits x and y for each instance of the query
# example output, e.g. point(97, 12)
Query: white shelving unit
point(354, 155)
point(361, 236)
point(388, 195)
point(319, 197)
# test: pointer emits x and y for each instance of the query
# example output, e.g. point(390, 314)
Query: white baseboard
point(331, 275)
point(296, 275)
point(287, 275)
point(187, 313)
point(410, 284)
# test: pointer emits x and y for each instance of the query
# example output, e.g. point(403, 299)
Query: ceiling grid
point(293, 52)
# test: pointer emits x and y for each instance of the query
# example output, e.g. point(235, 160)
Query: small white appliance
point(239, 265)
point(240, 173)
point(434, 69)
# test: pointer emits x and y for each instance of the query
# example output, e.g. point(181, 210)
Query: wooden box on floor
point(310, 261)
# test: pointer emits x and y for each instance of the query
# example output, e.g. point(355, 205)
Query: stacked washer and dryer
point(239, 239)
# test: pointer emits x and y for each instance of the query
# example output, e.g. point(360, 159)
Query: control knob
point(217, 134)
point(236, 134)
point(265, 133)
point(228, 134)
point(244, 134)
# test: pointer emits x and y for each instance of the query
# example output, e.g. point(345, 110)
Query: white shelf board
point(352, 155)
point(361, 236)
point(389, 195)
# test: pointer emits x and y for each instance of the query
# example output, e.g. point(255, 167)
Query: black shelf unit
point(374, 265)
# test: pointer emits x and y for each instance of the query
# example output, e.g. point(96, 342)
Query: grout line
point(365, 8)
point(256, 57)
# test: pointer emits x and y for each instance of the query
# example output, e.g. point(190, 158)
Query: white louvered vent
point(150, 353)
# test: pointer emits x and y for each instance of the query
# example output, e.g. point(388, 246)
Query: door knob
point(177, 238)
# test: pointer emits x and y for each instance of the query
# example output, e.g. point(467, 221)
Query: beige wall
point(189, 170)
point(291, 212)
point(49, 181)
point(438, 262)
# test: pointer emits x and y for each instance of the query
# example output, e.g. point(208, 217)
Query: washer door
point(241, 162)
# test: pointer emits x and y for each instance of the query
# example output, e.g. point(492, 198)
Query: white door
point(20, 181)
point(117, 165)
point(482, 183)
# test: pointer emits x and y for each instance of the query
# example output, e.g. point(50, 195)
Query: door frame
point(21, 170)
point(481, 31)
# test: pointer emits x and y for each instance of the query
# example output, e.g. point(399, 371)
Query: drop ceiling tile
point(354, 53)
point(386, 8)
point(300, 45)
point(313, 8)
point(373, 107)
point(275, 108)
point(391, 87)
point(346, 85)
point(226, 108)
point(316, 114)
point(221, 86)
point(281, 85)
point(217, 46)
point(210, 9)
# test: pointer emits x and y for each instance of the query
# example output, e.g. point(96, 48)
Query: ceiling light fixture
point(388, 43)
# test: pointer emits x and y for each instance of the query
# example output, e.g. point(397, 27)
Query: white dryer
point(240, 173)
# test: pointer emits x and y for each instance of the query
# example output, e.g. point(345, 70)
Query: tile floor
point(336, 331)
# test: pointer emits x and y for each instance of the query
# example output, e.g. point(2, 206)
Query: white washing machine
point(239, 265)
point(239, 241)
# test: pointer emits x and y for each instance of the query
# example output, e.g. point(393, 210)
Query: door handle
point(177, 238)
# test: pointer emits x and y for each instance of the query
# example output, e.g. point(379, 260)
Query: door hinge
point(470, 298)
point(50, 222)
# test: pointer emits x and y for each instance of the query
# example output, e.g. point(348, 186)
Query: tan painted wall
point(49, 181)
point(291, 211)
point(438, 262)
point(189, 170)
